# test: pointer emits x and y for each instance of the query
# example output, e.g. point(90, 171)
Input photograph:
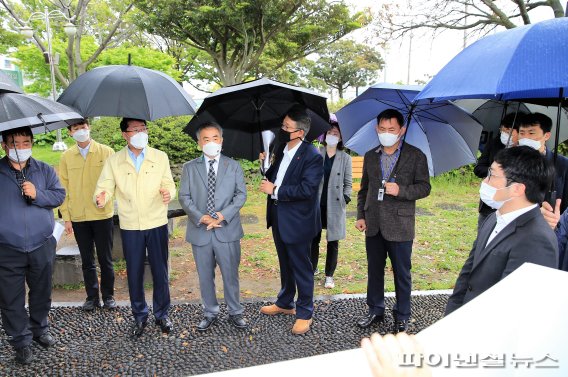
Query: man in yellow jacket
point(79, 170)
point(140, 178)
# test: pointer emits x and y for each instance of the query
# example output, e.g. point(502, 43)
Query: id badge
point(381, 194)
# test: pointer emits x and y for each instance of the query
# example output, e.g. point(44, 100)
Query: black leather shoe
point(45, 340)
point(368, 319)
point(238, 321)
point(165, 325)
point(90, 305)
point(206, 323)
point(109, 303)
point(138, 328)
point(24, 355)
point(400, 326)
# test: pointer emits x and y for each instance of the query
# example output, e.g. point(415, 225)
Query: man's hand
point(29, 189)
point(206, 219)
point(551, 216)
point(166, 197)
point(262, 156)
point(215, 224)
point(391, 188)
point(68, 228)
point(267, 187)
point(101, 199)
point(361, 225)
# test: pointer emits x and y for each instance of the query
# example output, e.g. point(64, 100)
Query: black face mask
point(284, 136)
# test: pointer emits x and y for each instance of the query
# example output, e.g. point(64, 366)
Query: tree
point(234, 34)
point(474, 16)
point(346, 63)
point(100, 25)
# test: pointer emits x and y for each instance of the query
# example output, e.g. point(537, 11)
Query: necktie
point(211, 190)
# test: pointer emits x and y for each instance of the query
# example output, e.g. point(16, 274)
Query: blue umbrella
point(447, 134)
point(527, 62)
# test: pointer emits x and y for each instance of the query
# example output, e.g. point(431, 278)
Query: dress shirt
point(215, 165)
point(287, 157)
point(506, 219)
point(137, 160)
point(84, 151)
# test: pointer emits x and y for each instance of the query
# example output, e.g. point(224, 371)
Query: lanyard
point(387, 175)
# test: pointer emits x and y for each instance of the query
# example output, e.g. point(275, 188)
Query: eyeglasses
point(490, 174)
point(289, 129)
point(137, 130)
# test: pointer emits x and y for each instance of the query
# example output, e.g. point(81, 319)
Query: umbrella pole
point(555, 152)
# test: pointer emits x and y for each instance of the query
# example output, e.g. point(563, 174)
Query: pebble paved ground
point(99, 344)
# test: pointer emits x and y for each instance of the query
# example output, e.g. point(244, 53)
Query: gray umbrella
point(41, 114)
point(7, 85)
point(127, 91)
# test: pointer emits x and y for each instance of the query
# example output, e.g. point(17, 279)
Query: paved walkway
point(99, 344)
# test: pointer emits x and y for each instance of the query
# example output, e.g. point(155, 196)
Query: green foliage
point(346, 63)
point(335, 106)
point(164, 134)
point(235, 34)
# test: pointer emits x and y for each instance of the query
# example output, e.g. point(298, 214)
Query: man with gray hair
point(212, 192)
point(293, 212)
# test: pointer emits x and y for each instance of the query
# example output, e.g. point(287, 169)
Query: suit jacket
point(230, 196)
point(482, 167)
point(338, 187)
point(394, 216)
point(560, 178)
point(528, 238)
point(298, 202)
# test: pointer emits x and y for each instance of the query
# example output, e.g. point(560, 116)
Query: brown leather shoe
point(301, 326)
point(275, 309)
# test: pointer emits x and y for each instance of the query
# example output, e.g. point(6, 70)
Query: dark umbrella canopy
point(127, 91)
point(7, 85)
point(245, 110)
point(41, 114)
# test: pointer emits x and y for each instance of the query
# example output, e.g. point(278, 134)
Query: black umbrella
point(245, 110)
point(7, 85)
point(127, 91)
point(41, 114)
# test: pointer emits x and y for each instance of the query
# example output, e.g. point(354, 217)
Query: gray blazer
point(394, 216)
point(340, 182)
point(528, 238)
point(230, 196)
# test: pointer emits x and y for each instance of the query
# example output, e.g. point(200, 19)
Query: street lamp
point(70, 30)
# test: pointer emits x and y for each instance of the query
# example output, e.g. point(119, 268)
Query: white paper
point(58, 230)
point(267, 138)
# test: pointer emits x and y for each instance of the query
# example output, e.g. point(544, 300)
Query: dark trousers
point(135, 243)
point(399, 253)
point(295, 273)
point(16, 269)
point(331, 256)
point(91, 234)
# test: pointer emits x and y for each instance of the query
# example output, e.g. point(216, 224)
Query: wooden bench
point(357, 171)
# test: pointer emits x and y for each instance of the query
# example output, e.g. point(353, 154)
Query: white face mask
point(82, 135)
point(139, 141)
point(212, 149)
point(487, 193)
point(388, 139)
point(535, 144)
point(331, 140)
point(22, 156)
point(506, 139)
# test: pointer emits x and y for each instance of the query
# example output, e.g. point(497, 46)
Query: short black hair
point(299, 114)
point(20, 131)
point(124, 123)
point(389, 114)
point(78, 122)
point(512, 120)
point(527, 166)
point(208, 125)
point(537, 119)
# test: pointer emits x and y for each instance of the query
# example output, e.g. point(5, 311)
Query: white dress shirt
point(286, 160)
point(84, 151)
point(215, 165)
point(506, 219)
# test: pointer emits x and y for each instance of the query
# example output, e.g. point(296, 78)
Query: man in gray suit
point(395, 175)
point(516, 233)
point(212, 192)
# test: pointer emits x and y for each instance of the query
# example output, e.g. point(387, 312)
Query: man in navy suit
point(292, 211)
